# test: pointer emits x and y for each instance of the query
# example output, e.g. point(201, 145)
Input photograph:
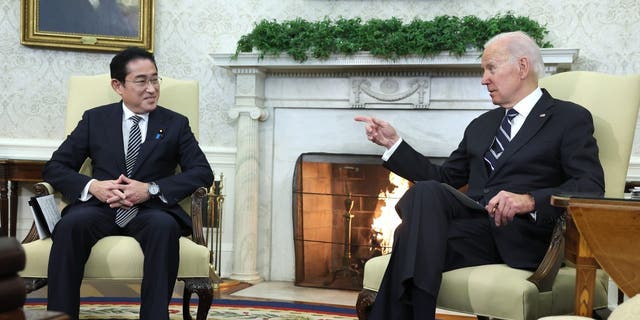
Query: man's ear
point(117, 86)
point(524, 67)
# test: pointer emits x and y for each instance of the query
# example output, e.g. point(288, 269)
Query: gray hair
point(522, 45)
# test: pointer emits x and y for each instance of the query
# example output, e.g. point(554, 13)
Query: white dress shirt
point(126, 129)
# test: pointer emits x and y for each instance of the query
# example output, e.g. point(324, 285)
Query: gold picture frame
point(95, 25)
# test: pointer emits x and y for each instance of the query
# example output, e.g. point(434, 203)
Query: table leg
point(586, 267)
point(4, 205)
point(13, 209)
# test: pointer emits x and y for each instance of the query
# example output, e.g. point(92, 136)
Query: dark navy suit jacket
point(169, 142)
point(554, 152)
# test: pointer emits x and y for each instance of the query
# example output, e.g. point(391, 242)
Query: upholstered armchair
point(498, 291)
point(628, 310)
point(120, 257)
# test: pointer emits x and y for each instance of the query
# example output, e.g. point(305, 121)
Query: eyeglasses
point(143, 83)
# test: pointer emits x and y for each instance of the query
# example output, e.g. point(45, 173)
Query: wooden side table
point(15, 171)
point(602, 233)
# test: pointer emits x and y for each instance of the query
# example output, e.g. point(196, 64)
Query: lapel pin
point(542, 115)
point(160, 134)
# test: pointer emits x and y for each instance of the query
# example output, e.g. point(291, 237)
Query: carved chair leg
point(186, 297)
point(33, 284)
point(364, 303)
point(202, 287)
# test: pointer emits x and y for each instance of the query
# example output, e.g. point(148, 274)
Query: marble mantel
point(554, 58)
point(285, 108)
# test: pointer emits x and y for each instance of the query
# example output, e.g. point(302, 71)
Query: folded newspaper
point(463, 198)
point(46, 214)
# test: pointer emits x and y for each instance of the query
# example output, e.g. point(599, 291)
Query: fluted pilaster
point(248, 111)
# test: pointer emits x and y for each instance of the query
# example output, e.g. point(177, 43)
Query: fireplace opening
point(338, 201)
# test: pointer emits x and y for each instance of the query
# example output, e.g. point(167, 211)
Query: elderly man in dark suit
point(513, 158)
point(134, 146)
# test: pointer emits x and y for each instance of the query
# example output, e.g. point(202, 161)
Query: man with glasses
point(135, 146)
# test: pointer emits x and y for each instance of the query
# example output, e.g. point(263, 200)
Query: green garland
point(389, 39)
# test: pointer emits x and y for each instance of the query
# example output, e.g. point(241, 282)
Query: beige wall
point(33, 80)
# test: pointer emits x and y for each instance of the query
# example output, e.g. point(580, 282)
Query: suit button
point(486, 190)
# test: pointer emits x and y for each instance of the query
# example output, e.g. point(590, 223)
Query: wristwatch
point(154, 189)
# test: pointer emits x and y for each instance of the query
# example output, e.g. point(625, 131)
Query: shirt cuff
point(387, 154)
point(85, 195)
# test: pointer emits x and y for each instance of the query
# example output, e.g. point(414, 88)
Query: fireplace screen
point(342, 214)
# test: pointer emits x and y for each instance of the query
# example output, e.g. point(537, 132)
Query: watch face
point(154, 189)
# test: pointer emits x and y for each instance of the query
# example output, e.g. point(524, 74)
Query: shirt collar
point(525, 105)
point(126, 113)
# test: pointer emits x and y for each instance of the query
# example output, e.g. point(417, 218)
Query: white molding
point(633, 173)
point(42, 149)
point(220, 155)
point(27, 149)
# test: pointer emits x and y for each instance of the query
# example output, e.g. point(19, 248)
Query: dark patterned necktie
point(503, 137)
point(123, 216)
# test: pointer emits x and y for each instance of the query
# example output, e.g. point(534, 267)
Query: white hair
point(521, 45)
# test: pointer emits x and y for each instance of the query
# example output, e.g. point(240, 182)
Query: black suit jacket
point(554, 152)
point(169, 142)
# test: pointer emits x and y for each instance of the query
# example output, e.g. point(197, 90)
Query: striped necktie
point(123, 216)
point(503, 137)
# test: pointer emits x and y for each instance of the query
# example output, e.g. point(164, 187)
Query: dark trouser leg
point(73, 237)
point(424, 304)
point(422, 250)
point(158, 234)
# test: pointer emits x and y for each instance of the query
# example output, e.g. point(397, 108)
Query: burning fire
point(386, 223)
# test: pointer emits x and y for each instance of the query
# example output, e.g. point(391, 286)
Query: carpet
point(127, 308)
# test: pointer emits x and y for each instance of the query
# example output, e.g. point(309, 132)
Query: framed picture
point(98, 25)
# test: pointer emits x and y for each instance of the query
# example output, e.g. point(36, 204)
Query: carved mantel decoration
point(285, 108)
point(372, 92)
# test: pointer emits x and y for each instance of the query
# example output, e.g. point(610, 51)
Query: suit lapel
point(117, 136)
point(532, 124)
point(155, 131)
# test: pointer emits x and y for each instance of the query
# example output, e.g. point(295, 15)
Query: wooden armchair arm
point(43, 189)
point(546, 273)
point(199, 206)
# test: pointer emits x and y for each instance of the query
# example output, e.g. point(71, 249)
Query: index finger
point(366, 119)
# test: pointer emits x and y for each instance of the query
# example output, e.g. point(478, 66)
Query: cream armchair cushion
point(628, 310)
point(117, 258)
point(498, 291)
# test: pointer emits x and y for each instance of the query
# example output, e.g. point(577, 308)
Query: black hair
point(119, 63)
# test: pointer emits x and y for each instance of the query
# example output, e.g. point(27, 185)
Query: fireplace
point(336, 198)
point(284, 109)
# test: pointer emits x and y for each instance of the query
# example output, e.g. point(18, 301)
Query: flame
point(388, 220)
